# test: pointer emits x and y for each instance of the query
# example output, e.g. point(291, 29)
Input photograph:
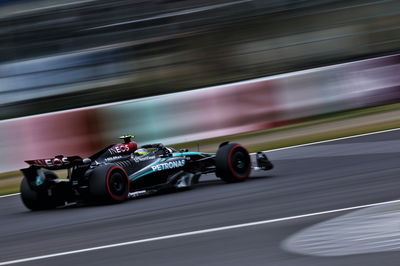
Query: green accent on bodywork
point(139, 176)
point(164, 159)
point(38, 181)
point(148, 172)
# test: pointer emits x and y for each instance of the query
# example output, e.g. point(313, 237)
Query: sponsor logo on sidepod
point(169, 165)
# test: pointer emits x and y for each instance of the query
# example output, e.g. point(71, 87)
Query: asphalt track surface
point(306, 180)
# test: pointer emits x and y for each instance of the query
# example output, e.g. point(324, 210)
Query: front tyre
point(232, 163)
point(108, 184)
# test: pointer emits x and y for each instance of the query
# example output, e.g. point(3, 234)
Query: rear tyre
point(232, 163)
point(108, 184)
point(37, 199)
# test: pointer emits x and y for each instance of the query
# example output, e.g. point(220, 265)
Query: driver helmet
point(141, 151)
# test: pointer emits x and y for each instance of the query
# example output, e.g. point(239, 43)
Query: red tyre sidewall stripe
point(230, 163)
point(108, 186)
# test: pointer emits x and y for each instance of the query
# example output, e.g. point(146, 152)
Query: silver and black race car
point(122, 171)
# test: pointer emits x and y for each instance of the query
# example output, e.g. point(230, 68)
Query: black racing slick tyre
point(108, 184)
point(37, 199)
point(232, 163)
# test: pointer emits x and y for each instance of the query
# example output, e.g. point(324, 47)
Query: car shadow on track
point(203, 184)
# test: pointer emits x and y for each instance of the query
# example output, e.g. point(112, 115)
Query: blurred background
point(245, 65)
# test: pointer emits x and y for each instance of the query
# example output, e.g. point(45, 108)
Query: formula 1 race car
point(122, 171)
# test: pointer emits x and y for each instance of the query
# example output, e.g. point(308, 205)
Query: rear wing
point(55, 163)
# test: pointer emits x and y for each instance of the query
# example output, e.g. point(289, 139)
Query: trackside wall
point(203, 113)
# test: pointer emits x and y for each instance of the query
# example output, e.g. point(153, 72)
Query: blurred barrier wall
point(55, 53)
point(204, 113)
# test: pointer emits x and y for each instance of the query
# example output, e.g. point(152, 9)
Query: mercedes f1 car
point(122, 171)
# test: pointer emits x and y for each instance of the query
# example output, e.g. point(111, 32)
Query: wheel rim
point(240, 163)
point(117, 184)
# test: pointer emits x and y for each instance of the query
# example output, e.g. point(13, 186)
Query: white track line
point(295, 146)
point(336, 139)
point(192, 233)
point(9, 195)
